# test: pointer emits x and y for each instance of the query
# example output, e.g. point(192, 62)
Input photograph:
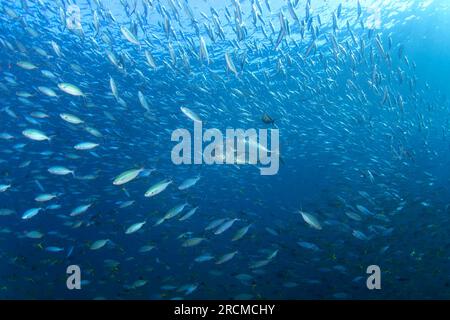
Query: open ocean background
point(342, 150)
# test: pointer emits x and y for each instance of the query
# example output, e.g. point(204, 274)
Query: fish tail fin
point(51, 138)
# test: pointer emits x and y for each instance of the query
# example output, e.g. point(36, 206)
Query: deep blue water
point(360, 127)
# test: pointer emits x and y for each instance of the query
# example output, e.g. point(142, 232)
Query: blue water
point(343, 145)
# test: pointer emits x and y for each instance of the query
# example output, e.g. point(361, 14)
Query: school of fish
point(87, 107)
